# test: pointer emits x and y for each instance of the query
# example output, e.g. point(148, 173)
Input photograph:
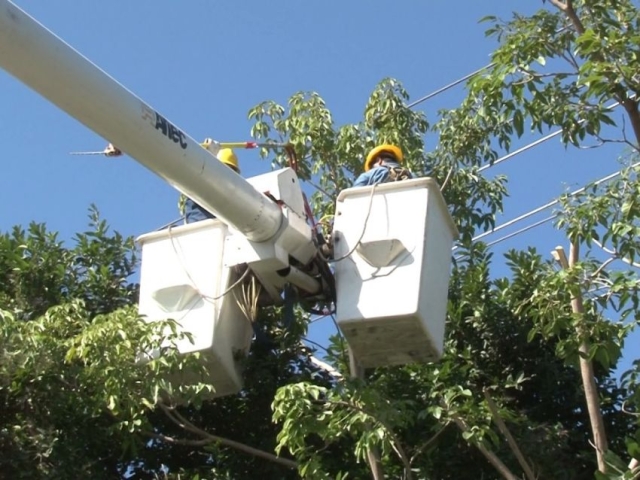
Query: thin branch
point(567, 8)
point(395, 441)
point(602, 140)
point(446, 180)
point(604, 265)
point(320, 189)
point(561, 5)
point(178, 441)
point(571, 60)
point(616, 255)
point(373, 456)
point(586, 365)
point(319, 363)
point(488, 454)
point(635, 146)
point(628, 412)
point(428, 443)
point(510, 440)
point(185, 424)
point(315, 344)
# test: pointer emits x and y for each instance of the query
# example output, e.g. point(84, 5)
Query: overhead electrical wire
point(522, 230)
point(538, 210)
point(448, 86)
point(537, 142)
point(510, 156)
point(462, 79)
point(520, 150)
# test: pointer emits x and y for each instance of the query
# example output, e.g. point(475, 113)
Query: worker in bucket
point(383, 164)
point(193, 211)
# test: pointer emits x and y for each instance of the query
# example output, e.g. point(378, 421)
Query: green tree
point(563, 68)
point(518, 353)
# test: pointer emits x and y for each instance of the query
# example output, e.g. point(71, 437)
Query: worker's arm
point(362, 180)
point(372, 177)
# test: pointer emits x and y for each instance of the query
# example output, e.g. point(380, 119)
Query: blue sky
point(203, 64)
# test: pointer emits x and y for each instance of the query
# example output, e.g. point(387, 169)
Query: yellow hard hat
point(386, 148)
point(229, 158)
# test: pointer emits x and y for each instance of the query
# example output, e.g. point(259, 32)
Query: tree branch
point(428, 443)
point(488, 454)
point(446, 180)
point(615, 256)
point(178, 441)
point(629, 104)
point(604, 265)
point(628, 412)
point(567, 8)
point(510, 440)
point(586, 365)
point(395, 441)
point(373, 456)
point(185, 424)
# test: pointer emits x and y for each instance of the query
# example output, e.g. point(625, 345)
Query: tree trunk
point(586, 365)
point(372, 455)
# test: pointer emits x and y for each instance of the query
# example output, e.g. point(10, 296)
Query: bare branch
point(567, 8)
point(628, 412)
point(510, 440)
point(586, 365)
point(571, 60)
point(428, 443)
point(559, 4)
point(446, 180)
point(602, 140)
point(185, 424)
point(615, 256)
point(488, 454)
point(178, 441)
point(325, 366)
point(626, 140)
point(604, 265)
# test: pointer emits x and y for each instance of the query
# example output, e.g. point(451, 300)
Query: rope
point(193, 283)
point(293, 163)
point(292, 157)
point(171, 223)
point(364, 228)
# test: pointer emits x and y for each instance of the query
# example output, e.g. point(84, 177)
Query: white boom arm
point(51, 67)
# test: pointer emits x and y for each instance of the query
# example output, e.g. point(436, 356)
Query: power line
point(462, 79)
point(545, 206)
point(522, 230)
point(450, 85)
point(516, 220)
point(535, 143)
point(540, 209)
point(520, 150)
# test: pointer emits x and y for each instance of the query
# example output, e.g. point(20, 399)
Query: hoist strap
point(399, 173)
